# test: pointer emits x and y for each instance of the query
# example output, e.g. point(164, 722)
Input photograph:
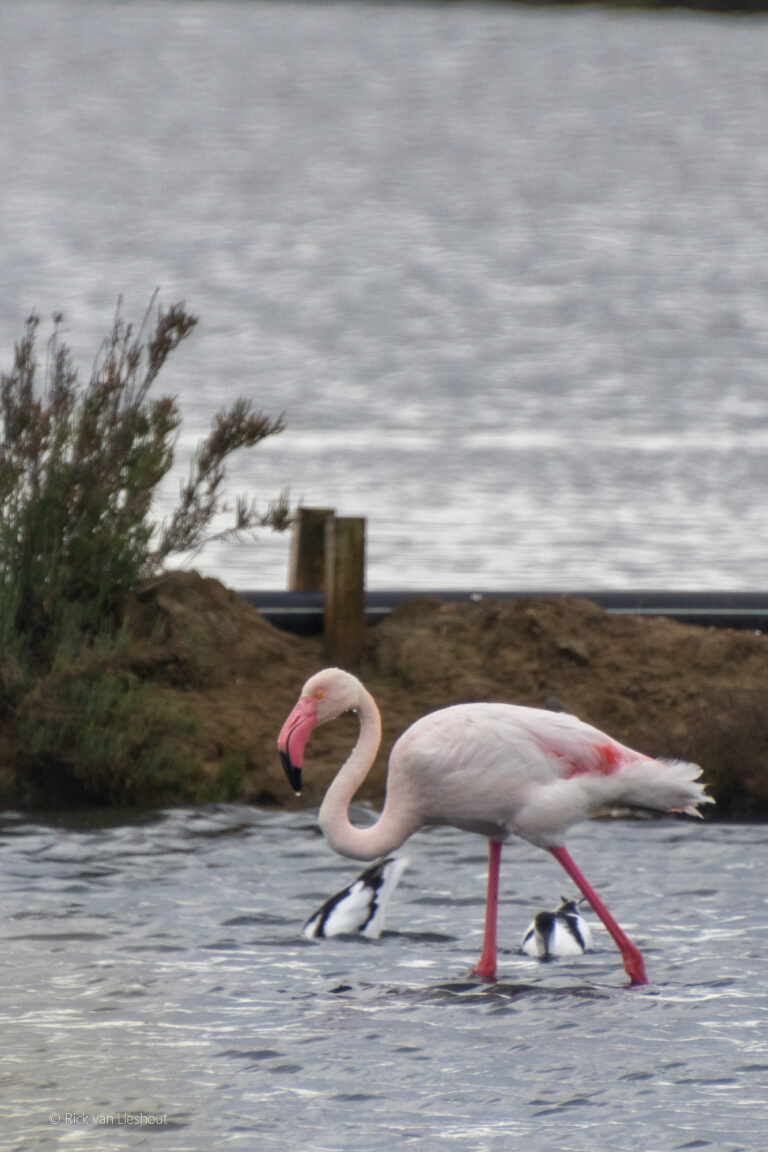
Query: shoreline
point(210, 682)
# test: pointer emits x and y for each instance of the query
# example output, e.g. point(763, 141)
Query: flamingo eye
point(319, 694)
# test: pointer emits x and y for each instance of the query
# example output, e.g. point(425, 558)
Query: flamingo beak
point(293, 738)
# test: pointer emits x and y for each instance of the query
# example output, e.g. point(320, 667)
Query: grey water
point(154, 970)
point(505, 273)
point(503, 270)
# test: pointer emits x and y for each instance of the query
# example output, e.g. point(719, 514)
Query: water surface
point(156, 968)
point(503, 269)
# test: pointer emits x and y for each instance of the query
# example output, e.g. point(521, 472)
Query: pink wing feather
point(581, 747)
point(540, 772)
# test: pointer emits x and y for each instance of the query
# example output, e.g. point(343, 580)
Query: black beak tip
point(292, 772)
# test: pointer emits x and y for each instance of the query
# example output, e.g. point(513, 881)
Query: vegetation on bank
point(79, 467)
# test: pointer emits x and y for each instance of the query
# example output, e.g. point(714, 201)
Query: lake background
point(504, 270)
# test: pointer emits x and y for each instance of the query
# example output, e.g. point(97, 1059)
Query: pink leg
point(486, 965)
point(633, 957)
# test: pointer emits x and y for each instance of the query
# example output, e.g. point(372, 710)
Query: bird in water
point(560, 933)
point(499, 770)
point(361, 907)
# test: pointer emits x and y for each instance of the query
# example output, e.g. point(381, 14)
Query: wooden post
point(306, 571)
point(344, 619)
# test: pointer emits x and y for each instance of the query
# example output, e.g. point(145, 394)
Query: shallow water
point(155, 969)
point(503, 268)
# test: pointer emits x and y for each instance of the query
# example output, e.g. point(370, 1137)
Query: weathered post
point(306, 569)
point(344, 620)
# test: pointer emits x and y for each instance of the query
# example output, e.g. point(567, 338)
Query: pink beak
point(293, 739)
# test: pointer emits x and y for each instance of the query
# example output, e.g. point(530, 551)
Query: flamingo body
point(503, 769)
point(499, 770)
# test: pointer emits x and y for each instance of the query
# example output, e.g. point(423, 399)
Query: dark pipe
point(302, 612)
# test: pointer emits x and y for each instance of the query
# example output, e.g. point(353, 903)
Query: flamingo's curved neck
point(391, 829)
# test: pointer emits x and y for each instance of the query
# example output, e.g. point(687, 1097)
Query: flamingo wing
point(501, 769)
point(578, 746)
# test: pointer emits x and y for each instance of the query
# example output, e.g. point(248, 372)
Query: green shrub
point(78, 470)
point(107, 737)
point(228, 783)
point(79, 467)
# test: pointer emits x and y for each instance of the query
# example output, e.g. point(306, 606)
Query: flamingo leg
point(631, 954)
point(486, 965)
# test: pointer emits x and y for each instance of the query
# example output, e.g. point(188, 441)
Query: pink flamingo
point(495, 769)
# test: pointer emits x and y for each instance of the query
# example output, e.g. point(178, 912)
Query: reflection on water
point(502, 268)
point(156, 968)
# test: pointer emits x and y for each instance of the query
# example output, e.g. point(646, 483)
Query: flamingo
point(494, 769)
point(563, 932)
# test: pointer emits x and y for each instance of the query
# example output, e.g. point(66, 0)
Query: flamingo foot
point(485, 969)
point(634, 966)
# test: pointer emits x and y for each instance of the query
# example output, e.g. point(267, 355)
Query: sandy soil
point(665, 688)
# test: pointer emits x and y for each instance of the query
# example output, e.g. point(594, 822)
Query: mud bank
point(229, 678)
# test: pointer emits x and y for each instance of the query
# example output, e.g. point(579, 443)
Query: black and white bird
point(361, 907)
point(560, 933)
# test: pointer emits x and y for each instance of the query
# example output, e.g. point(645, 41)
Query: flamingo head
point(324, 697)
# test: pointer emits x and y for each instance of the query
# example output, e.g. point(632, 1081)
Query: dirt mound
point(234, 672)
point(665, 688)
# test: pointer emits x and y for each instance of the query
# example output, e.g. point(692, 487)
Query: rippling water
point(505, 272)
point(503, 269)
point(156, 968)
